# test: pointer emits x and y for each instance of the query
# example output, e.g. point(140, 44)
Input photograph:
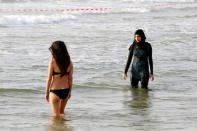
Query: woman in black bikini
point(59, 82)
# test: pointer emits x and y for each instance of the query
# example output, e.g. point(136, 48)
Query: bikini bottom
point(61, 93)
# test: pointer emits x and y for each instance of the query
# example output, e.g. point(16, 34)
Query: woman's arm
point(128, 61)
point(128, 64)
point(150, 59)
point(49, 79)
point(151, 62)
point(70, 79)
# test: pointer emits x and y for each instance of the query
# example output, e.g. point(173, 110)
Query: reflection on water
point(59, 124)
point(140, 98)
point(138, 107)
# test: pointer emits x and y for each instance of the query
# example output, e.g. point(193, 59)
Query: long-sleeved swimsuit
point(142, 53)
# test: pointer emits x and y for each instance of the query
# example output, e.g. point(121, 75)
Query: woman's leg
point(134, 82)
point(54, 102)
point(144, 83)
point(62, 106)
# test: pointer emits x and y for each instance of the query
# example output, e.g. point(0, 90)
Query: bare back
point(58, 81)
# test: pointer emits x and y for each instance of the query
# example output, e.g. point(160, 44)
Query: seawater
point(98, 43)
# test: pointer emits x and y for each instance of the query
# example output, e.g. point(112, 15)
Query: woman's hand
point(152, 77)
point(47, 96)
point(124, 76)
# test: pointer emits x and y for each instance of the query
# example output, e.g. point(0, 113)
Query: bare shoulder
point(71, 65)
point(51, 62)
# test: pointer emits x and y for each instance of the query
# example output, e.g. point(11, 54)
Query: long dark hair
point(61, 56)
point(140, 32)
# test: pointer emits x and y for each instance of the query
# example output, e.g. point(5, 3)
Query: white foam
point(34, 19)
point(160, 1)
point(135, 10)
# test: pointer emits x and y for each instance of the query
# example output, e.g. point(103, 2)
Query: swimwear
point(142, 61)
point(61, 93)
point(134, 82)
point(59, 73)
point(142, 53)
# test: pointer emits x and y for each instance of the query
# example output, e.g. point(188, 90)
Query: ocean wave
point(22, 1)
point(158, 7)
point(170, 1)
point(135, 10)
point(92, 85)
point(11, 90)
point(34, 19)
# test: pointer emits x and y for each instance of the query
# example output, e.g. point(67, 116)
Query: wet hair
point(61, 55)
point(140, 32)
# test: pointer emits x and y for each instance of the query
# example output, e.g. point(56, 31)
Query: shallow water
point(98, 43)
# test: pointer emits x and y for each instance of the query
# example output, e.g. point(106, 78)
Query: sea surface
point(98, 42)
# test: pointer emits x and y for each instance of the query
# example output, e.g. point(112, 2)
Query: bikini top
point(59, 73)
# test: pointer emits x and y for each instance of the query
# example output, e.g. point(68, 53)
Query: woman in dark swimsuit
point(141, 51)
point(59, 82)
